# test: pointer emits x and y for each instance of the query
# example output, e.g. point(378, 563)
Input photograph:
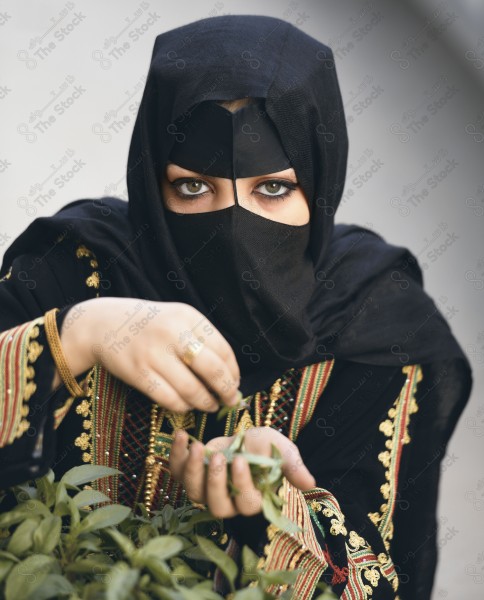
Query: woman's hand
point(141, 342)
point(209, 486)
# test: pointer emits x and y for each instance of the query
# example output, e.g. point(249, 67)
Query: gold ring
point(193, 349)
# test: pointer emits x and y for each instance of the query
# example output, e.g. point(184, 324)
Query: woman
point(224, 271)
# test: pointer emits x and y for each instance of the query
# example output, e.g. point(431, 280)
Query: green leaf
point(46, 489)
point(23, 537)
point(52, 586)
point(258, 459)
point(327, 595)
point(25, 577)
point(181, 571)
point(162, 547)
point(278, 577)
point(5, 567)
point(145, 533)
point(163, 593)
point(122, 541)
point(218, 556)
point(23, 511)
point(89, 566)
point(249, 565)
point(103, 517)
point(60, 494)
point(272, 514)
point(200, 516)
point(249, 594)
point(198, 593)
point(86, 473)
point(158, 568)
point(89, 497)
point(89, 542)
point(47, 535)
point(121, 581)
point(75, 514)
point(9, 556)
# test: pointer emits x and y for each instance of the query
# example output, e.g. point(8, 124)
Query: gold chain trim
point(84, 441)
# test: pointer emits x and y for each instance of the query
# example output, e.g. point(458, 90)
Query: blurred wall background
point(412, 78)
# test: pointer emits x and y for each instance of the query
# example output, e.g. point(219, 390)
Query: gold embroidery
point(82, 251)
point(356, 540)
point(245, 422)
point(93, 280)
point(181, 420)
point(372, 575)
point(7, 275)
point(84, 408)
point(34, 350)
point(337, 524)
point(396, 429)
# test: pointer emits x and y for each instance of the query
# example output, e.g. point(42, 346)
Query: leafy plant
point(54, 544)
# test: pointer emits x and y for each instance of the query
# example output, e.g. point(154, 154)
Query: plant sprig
point(266, 472)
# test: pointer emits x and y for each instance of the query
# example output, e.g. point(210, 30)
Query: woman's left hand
point(209, 486)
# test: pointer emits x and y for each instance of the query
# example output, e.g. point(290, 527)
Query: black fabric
point(367, 305)
point(255, 275)
point(214, 141)
point(362, 283)
point(47, 276)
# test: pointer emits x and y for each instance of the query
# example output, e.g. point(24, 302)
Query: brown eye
point(194, 187)
point(187, 187)
point(273, 187)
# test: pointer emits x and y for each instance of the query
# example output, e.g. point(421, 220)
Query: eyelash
point(287, 184)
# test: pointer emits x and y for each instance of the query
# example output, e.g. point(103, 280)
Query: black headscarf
point(368, 304)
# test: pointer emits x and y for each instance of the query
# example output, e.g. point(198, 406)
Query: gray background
point(412, 79)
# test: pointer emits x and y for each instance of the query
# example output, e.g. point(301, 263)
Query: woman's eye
point(276, 189)
point(190, 187)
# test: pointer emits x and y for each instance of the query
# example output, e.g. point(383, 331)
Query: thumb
point(296, 472)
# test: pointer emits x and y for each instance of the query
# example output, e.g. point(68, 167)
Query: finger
point(248, 501)
point(187, 385)
point(218, 499)
point(153, 385)
point(216, 375)
point(219, 443)
point(216, 341)
point(295, 470)
point(179, 454)
point(194, 473)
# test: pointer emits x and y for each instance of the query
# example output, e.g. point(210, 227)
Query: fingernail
point(237, 399)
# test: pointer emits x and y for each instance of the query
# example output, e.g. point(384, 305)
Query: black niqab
point(367, 305)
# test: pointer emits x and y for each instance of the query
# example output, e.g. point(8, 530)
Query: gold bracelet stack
point(52, 334)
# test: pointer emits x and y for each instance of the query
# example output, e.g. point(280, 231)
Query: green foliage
point(55, 543)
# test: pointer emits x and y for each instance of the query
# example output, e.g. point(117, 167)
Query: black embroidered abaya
point(372, 381)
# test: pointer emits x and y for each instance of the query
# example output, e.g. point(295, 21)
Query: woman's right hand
point(141, 342)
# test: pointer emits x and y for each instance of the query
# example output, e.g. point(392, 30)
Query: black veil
point(368, 305)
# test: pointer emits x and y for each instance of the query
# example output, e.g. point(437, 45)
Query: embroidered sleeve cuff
point(29, 411)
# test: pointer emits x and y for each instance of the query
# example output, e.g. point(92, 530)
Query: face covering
point(255, 274)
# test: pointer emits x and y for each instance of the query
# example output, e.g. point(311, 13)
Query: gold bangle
point(52, 334)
